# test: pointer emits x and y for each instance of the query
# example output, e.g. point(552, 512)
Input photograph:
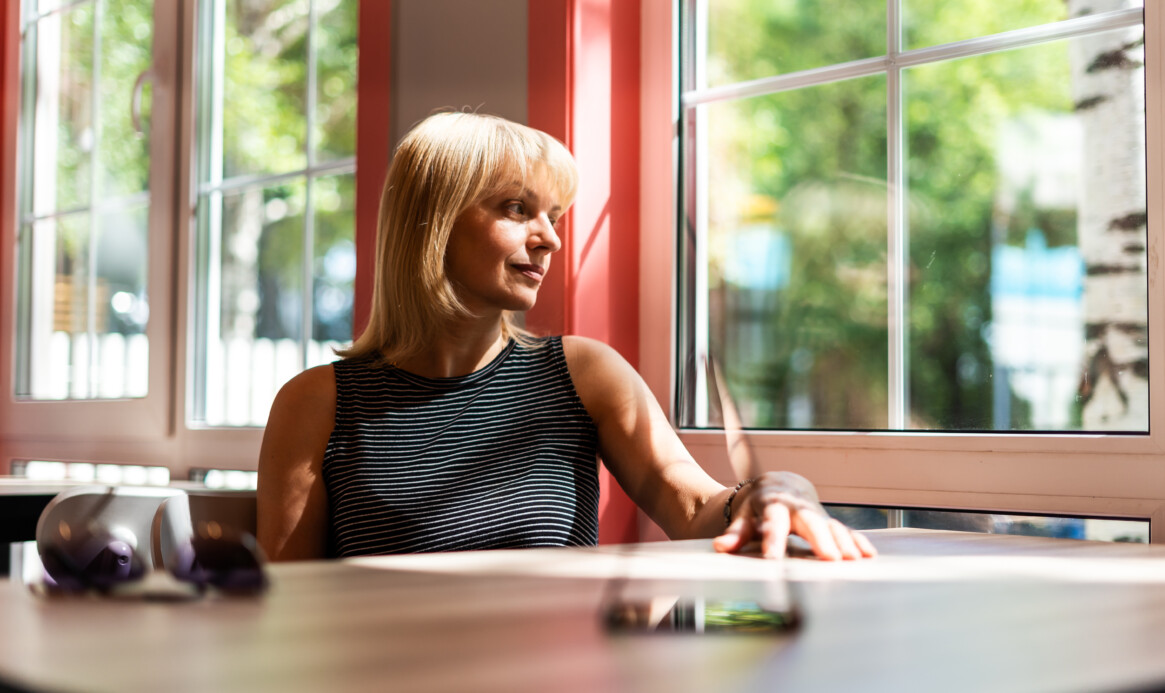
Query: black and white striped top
point(505, 457)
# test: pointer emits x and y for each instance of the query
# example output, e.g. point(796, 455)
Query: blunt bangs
point(517, 153)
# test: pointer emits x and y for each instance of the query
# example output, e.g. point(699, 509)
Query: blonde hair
point(445, 164)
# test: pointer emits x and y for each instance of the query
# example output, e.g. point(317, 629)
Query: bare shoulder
point(314, 387)
point(584, 353)
point(300, 424)
point(604, 380)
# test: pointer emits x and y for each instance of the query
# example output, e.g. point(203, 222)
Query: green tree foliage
point(817, 158)
point(265, 130)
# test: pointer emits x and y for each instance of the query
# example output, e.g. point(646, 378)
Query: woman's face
point(499, 249)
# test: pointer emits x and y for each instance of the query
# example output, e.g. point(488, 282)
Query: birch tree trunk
point(1108, 90)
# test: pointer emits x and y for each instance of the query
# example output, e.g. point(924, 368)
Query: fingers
point(815, 528)
point(776, 524)
point(772, 510)
point(739, 533)
point(864, 545)
point(830, 539)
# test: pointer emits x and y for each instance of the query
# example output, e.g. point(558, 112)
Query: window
point(276, 255)
point(92, 294)
point(943, 230)
point(84, 299)
point(900, 233)
point(185, 199)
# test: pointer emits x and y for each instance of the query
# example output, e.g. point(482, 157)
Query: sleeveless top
point(505, 457)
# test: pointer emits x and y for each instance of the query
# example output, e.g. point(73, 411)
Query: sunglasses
point(91, 557)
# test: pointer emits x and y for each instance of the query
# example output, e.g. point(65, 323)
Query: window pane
point(81, 304)
point(46, 5)
point(269, 305)
point(796, 260)
point(1027, 221)
point(750, 39)
point(123, 154)
point(63, 127)
point(122, 259)
point(264, 87)
point(928, 23)
point(334, 260)
point(1091, 529)
point(85, 301)
point(335, 115)
point(251, 338)
point(55, 297)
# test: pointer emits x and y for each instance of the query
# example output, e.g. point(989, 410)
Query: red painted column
point(9, 108)
point(584, 89)
point(373, 80)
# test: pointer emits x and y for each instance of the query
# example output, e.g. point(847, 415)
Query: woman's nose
point(544, 234)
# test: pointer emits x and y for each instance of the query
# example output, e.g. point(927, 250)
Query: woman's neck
point(457, 351)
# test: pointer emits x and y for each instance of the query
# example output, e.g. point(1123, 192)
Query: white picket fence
point(118, 368)
point(242, 375)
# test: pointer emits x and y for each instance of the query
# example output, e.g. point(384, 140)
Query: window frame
point(144, 418)
point(1092, 474)
point(155, 430)
point(197, 323)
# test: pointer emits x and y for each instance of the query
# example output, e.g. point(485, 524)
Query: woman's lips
point(534, 272)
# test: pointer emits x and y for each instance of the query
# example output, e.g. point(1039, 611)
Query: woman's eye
point(516, 208)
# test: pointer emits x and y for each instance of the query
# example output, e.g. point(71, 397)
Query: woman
point(446, 426)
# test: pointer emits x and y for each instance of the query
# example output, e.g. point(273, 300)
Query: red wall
point(9, 91)
point(372, 144)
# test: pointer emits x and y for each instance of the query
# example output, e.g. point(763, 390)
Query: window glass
point(953, 241)
point(334, 265)
point(752, 39)
point(796, 252)
point(64, 135)
point(334, 127)
point(264, 79)
point(1088, 528)
point(927, 23)
point(253, 329)
point(123, 157)
point(82, 304)
point(275, 259)
point(1028, 291)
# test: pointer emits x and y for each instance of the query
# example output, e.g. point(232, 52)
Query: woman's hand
point(778, 504)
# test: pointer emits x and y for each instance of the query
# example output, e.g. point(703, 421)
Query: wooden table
point(937, 611)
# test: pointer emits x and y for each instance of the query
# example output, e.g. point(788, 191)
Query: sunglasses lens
point(230, 562)
point(93, 561)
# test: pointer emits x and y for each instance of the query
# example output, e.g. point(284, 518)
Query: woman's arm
point(646, 456)
point(292, 503)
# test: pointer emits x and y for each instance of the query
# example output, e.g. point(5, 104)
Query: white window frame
point(214, 11)
point(1091, 474)
point(73, 422)
point(153, 430)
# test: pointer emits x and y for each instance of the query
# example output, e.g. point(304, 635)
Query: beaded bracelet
point(731, 496)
